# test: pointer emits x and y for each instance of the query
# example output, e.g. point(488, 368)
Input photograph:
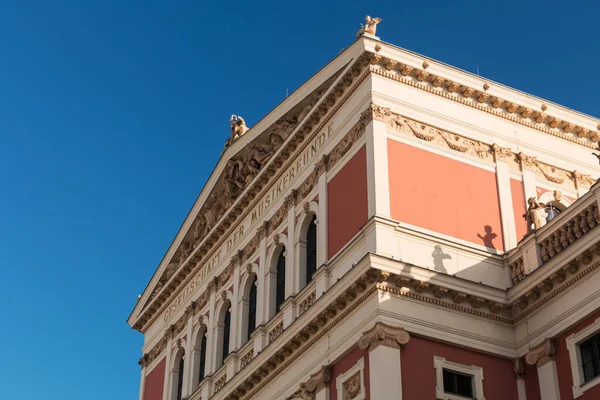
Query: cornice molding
point(478, 98)
point(190, 257)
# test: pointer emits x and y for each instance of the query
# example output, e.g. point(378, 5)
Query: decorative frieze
point(383, 335)
point(495, 105)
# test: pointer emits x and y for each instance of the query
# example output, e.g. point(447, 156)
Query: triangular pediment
point(241, 161)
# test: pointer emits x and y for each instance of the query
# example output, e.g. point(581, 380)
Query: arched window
point(252, 308)
point(202, 370)
point(180, 378)
point(311, 249)
point(280, 288)
point(226, 333)
point(552, 210)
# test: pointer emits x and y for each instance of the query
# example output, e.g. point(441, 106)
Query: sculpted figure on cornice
point(370, 26)
point(533, 216)
point(238, 129)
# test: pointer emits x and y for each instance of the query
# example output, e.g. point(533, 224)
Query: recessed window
point(584, 357)
point(180, 378)
point(252, 308)
point(457, 383)
point(311, 249)
point(590, 358)
point(280, 288)
point(551, 213)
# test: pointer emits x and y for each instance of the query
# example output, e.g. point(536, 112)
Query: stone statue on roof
point(238, 129)
point(370, 27)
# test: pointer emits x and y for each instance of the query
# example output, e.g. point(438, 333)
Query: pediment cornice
point(223, 209)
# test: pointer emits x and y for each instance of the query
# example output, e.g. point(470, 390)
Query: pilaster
point(509, 229)
point(290, 258)
point(384, 343)
point(322, 243)
point(519, 369)
point(378, 183)
point(235, 335)
point(542, 356)
point(322, 280)
point(317, 387)
point(168, 366)
point(189, 350)
point(143, 365)
point(210, 336)
point(262, 298)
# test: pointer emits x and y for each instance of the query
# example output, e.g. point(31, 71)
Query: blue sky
point(113, 113)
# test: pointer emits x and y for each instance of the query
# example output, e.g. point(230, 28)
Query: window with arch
point(280, 286)
point(226, 332)
point(180, 378)
point(311, 249)
point(552, 210)
point(252, 307)
point(223, 333)
point(200, 355)
point(177, 374)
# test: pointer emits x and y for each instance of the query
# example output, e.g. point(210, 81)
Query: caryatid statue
point(370, 27)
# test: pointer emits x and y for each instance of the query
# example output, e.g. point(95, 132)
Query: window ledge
point(579, 391)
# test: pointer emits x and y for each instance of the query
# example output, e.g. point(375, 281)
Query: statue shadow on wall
point(488, 237)
point(438, 259)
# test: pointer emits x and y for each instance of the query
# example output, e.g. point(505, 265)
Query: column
point(143, 363)
point(378, 183)
point(542, 356)
point(519, 369)
point(322, 245)
point(384, 343)
point(262, 296)
point(210, 335)
point(507, 213)
point(236, 323)
point(168, 366)
point(317, 387)
point(290, 260)
point(189, 350)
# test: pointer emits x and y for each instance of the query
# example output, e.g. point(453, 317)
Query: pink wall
point(344, 364)
point(563, 365)
point(444, 195)
point(418, 372)
point(153, 387)
point(532, 383)
point(518, 201)
point(347, 206)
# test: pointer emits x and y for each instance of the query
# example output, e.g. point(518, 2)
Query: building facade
point(395, 229)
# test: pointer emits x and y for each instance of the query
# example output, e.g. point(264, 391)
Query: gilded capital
point(383, 335)
point(541, 354)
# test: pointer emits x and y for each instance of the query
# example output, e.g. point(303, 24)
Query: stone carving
point(533, 214)
point(382, 334)
point(541, 354)
point(238, 129)
point(501, 153)
point(517, 270)
point(316, 383)
point(569, 232)
point(352, 387)
point(583, 180)
point(370, 26)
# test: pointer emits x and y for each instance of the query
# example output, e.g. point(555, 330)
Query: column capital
point(541, 354)
point(383, 335)
point(317, 382)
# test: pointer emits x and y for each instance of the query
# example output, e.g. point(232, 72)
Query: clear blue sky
point(114, 112)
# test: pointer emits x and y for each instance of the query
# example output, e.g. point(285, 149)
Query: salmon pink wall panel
point(518, 200)
point(418, 372)
point(563, 365)
point(347, 206)
point(343, 365)
point(444, 195)
point(532, 383)
point(153, 387)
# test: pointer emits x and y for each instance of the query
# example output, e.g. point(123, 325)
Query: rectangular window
point(457, 383)
point(590, 358)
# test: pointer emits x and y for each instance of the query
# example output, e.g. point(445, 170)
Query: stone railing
point(568, 231)
point(306, 298)
point(220, 378)
point(275, 327)
point(552, 239)
point(247, 354)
